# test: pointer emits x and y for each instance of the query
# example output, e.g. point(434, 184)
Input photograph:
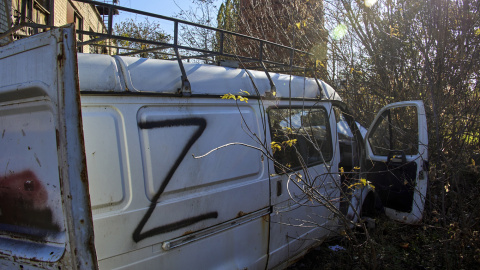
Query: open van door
point(45, 216)
point(396, 160)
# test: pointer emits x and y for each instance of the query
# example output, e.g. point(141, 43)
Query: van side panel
point(153, 200)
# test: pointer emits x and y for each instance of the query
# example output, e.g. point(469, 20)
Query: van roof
point(105, 73)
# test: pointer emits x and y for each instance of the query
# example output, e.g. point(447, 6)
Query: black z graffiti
point(138, 235)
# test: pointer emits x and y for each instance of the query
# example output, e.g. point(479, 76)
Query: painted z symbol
point(201, 123)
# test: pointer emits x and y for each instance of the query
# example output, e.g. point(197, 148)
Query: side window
point(346, 141)
point(300, 136)
point(31, 11)
point(397, 130)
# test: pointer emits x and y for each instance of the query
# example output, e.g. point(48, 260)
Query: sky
point(163, 7)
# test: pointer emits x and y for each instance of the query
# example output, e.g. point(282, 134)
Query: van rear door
point(45, 216)
point(397, 159)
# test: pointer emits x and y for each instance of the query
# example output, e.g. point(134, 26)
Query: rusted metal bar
point(110, 20)
point(186, 89)
point(91, 41)
point(185, 22)
point(142, 51)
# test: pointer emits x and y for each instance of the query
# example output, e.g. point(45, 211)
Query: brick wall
point(4, 19)
point(87, 13)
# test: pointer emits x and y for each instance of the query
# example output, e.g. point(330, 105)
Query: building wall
point(91, 19)
point(87, 17)
point(3, 15)
point(89, 14)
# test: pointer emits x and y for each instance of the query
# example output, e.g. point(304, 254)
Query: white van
point(103, 165)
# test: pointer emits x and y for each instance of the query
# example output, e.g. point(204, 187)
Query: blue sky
point(162, 7)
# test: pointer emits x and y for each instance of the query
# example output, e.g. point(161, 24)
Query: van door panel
point(396, 156)
point(45, 216)
point(298, 221)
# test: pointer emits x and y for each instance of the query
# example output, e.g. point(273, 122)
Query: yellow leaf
point(290, 142)
point(242, 99)
point(363, 181)
point(288, 130)
point(298, 25)
point(477, 32)
point(473, 162)
point(275, 146)
point(228, 96)
point(341, 170)
point(319, 63)
point(356, 168)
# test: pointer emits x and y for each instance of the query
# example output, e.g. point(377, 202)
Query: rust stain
point(60, 59)
point(187, 233)
point(84, 176)
point(57, 137)
point(241, 214)
point(91, 244)
point(266, 226)
point(23, 205)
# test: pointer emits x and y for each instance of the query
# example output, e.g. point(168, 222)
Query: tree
point(428, 50)
point(201, 12)
point(297, 24)
point(227, 19)
point(146, 30)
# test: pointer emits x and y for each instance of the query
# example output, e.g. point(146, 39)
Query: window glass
point(397, 129)
point(300, 136)
point(346, 141)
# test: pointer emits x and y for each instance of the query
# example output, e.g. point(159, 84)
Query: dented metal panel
point(45, 217)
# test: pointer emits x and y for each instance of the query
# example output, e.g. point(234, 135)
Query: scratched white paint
point(40, 171)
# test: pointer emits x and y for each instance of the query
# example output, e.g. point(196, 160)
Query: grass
point(394, 245)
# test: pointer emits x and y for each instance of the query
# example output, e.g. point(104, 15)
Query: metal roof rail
point(267, 65)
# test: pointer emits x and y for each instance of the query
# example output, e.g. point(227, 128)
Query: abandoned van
point(117, 162)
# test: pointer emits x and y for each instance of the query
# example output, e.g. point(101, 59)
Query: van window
point(398, 130)
point(300, 136)
point(346, 141)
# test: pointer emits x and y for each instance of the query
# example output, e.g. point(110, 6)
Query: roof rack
point(258, 61)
